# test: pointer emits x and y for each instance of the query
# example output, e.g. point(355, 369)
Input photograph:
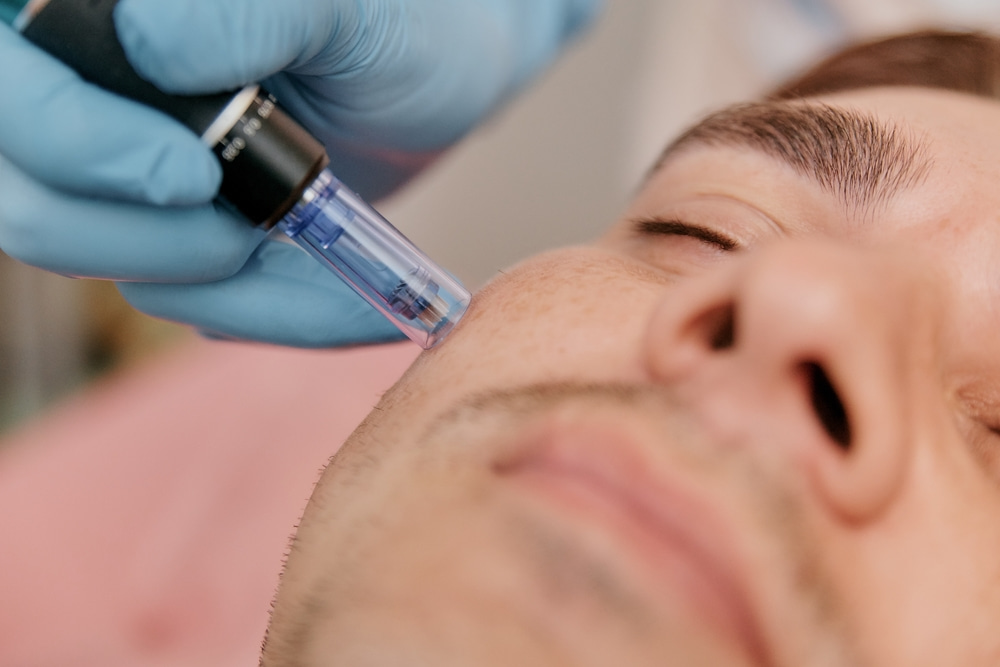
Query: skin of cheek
point(571, 315)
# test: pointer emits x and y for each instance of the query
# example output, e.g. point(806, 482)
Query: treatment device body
point(274, 172)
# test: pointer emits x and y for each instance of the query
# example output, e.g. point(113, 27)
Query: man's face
point(755, 424)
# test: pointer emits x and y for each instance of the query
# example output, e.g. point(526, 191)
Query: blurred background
point(552, 168)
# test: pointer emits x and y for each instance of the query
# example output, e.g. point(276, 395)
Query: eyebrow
point(863, 160)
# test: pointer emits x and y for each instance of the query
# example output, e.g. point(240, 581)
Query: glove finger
point(195, 46)
point(86, 237)
point(77, 137)
point(280, 296)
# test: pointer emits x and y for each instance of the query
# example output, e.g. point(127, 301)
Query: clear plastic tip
point(343, 232)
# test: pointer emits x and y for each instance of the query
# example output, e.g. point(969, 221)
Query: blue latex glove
point(97, 186)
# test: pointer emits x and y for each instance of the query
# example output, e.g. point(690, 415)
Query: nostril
point(718, 327)
point(828, 406)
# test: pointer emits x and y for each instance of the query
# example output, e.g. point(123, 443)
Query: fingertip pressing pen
point(274, 172)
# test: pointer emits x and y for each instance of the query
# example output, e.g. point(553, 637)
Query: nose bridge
point(804, 347)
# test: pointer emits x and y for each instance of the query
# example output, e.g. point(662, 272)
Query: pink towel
point(143, 523)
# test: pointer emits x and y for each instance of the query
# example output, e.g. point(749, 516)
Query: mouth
point(595, 474)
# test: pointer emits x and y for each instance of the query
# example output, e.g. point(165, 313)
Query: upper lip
point(609, 462)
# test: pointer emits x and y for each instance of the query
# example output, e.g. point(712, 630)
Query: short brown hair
point(961, 61)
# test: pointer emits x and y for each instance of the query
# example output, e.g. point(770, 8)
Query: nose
point(807, 351)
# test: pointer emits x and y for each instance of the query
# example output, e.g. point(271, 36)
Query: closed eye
point(656, 226)
point(985, 442)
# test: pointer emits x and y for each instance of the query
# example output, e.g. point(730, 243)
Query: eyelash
point(665, 227)
point(981, 432)
point(985, 447)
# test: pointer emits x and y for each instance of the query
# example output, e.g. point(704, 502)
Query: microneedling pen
point(274, 171)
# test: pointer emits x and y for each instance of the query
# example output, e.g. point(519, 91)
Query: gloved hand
point(97, 186)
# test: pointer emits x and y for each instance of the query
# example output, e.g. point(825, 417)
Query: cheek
point(573, 315)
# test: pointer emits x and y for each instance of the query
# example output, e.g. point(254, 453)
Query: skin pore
point(754, 424)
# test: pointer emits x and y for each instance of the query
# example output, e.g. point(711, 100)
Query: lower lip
point(585, 471)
